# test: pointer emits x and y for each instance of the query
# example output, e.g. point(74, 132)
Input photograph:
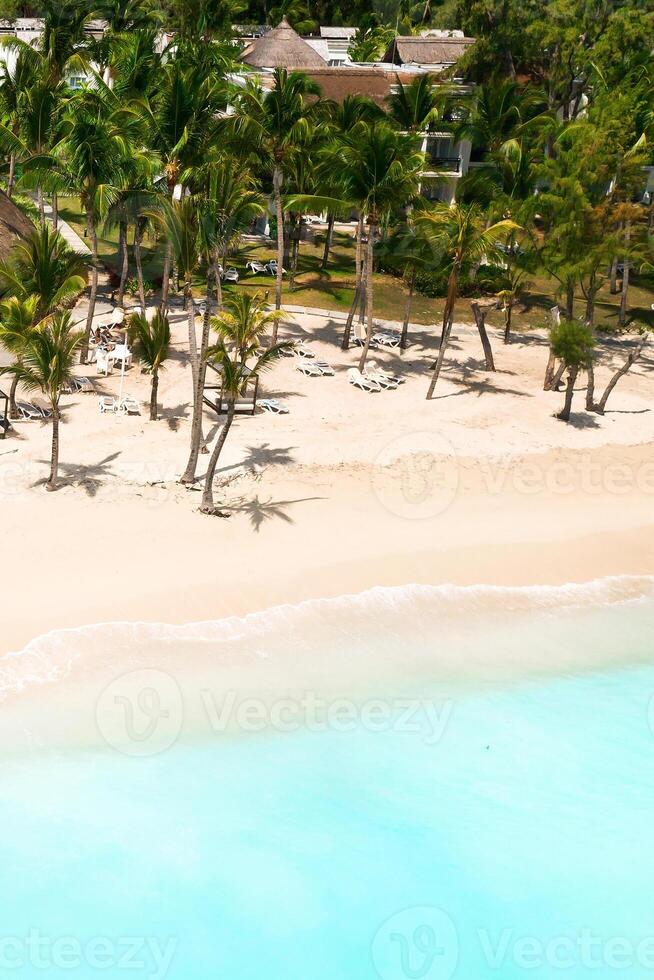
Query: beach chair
point(384, 339)
point(28, 412)
point(274, 406)
point(324, 368)
point(359, 380)
point(387, 384)
point(310, 369)
point(107, 403)
point(70, 387)
point(379, 369)
point(42, 407)
point(129, 406)
point(303, 350)
point(84, 384)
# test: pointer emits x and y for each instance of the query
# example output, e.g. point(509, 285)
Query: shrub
point(490, 279)
point(132, 286)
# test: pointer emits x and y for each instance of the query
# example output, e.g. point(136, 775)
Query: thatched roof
point(372, 81)
point(281, 48)
point(14, 225)
point(444, 51)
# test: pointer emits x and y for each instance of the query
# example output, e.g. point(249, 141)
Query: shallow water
point(499, 829)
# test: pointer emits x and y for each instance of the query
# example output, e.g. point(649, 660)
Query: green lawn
point(334, 288)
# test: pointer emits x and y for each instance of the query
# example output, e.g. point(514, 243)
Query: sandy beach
point(347, 491)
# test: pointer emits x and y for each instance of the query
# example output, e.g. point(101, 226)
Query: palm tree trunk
point(485, 342)
point(277, 189)
point(11, 180)
point(138, 260)
point(124, 265)
point(549, 371)
point(564, 414)
point(407, 310)
point(192, 336)
point(165, 282)
point(631, 359)
point(54, 459)
point(448, 315)
point(198, 389)
point(357, 286)
point(622, 314)
point(590, 390)
point(328, 241)
point(207, 506)
point(13, 409)
point(55, 211)
point(507, 322)
point(153, 394)
point(370, 251)
point(94, 285)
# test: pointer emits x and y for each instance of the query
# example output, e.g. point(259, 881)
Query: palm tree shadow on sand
point(90, 478)
point(260, 511)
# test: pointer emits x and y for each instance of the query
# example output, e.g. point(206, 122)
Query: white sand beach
point(349, 490)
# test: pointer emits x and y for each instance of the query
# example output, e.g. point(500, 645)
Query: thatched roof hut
point(281, 48)
point(14, 225)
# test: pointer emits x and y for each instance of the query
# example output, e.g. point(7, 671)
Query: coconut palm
point(46, 268)
point(273, 122)
point(151, 340)
point(418, 106)
point(407, 250)
point(46, 362)
point(15, 80)
point(573, 343)
point(516, 279)
point(237, 356)
point(459, 236)
point(17, 318)
point(92, 156)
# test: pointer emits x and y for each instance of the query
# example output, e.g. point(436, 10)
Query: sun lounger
point(42, 407)
point(303, 350)
point(324, 368)
point(274, 406)
point(71, 386)
point(378, 369)
point(310, 369)
point(129, 406)
point(387, 339)
point(28, 412)
point(107, 403)
point(85, 384)
point(379, 378)
point(359, 380)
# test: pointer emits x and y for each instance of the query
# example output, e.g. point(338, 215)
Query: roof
point(375, 82)
point(14, 225)
point(427, 50)
point(281, 48)
point(338, 32)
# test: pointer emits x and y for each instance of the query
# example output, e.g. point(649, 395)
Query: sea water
point(500, 829)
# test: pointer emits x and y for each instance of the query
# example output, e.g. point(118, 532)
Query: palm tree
point(407, 250)
point(15, 81)
point(46, 268)
point(459, 236)
point(92, 155)
point(573, 343)
point(240, 328)
point(151, 340)
point(274, 121)
point(46, 361)
point(509, 296)
point(418, 106)
point(17, 318)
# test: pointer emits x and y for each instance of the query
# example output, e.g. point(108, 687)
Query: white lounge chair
point(311, 369)
point(379, 378)
point(379, 369)
point(385, 339)
point(359, 380)
point(302, 348)
point(274, 406)
point(107, 403)
point(129, 406)
point(28, 412)
point(42, 407)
